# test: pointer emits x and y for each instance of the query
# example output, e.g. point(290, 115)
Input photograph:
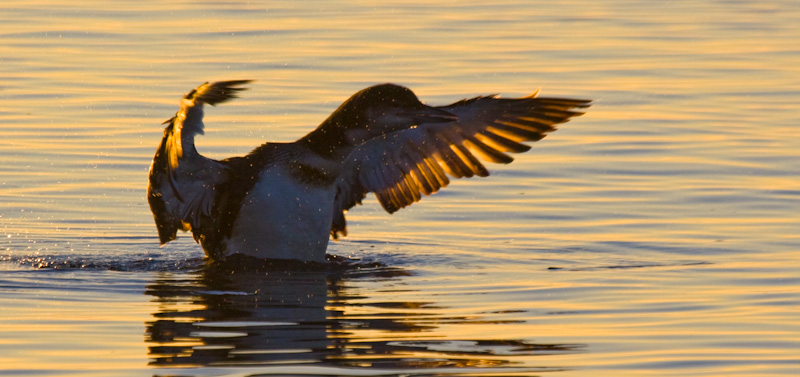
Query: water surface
point(656, 235)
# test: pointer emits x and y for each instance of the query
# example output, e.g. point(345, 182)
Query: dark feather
point(406, 165)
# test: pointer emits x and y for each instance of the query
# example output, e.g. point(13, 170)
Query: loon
point(286, 200)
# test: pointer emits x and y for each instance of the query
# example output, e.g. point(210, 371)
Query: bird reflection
point(276, 316)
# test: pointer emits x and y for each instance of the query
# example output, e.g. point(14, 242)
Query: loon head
point(382, 109)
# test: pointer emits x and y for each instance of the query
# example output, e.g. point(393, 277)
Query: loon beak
point(428, 114)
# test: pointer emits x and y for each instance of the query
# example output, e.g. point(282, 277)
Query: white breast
point(283, 218)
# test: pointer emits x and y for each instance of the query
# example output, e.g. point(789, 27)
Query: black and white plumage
point(285, 200)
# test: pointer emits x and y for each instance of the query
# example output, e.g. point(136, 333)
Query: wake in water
point(180, 262)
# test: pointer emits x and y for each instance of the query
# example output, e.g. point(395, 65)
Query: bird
point(286, 200)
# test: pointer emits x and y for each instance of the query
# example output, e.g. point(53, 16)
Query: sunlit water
point(657, 235)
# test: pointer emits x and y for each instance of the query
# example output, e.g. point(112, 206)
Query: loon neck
point(328, 142)
point(330, 139)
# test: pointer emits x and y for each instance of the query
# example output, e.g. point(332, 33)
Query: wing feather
point(406, 165)
point(182, 182)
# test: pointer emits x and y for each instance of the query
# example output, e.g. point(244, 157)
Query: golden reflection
point(263, 317)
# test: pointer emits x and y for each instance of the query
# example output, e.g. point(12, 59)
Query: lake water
point(658, 235)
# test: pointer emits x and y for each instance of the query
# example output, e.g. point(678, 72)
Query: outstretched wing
point(403, 166)
point(182, 182)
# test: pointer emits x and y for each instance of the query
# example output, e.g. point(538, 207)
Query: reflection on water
point(218, 317)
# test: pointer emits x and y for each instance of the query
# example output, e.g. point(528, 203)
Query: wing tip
point(534, 94)
point(217, 92)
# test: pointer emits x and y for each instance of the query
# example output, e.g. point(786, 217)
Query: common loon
point(285, 200)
